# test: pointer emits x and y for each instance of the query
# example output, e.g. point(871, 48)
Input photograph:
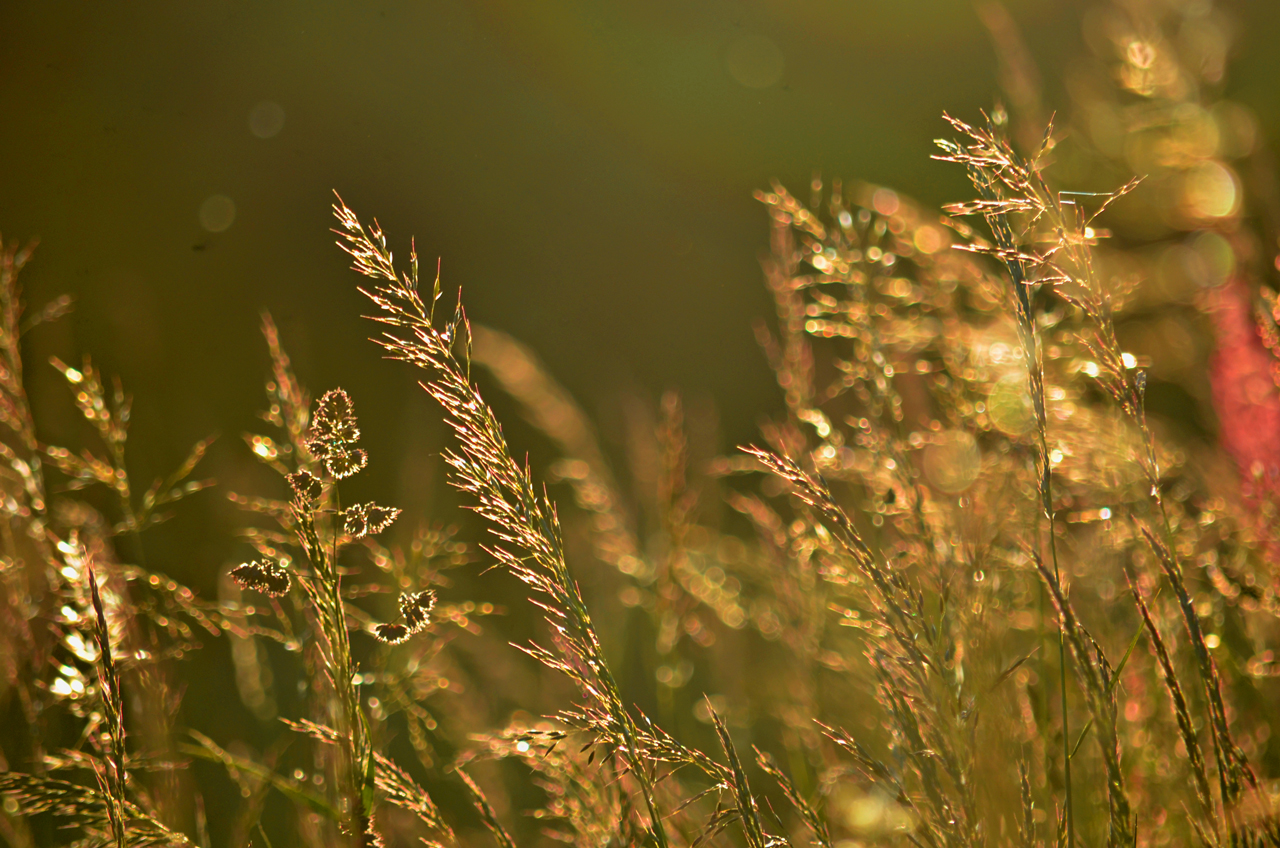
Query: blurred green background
point(584, 171)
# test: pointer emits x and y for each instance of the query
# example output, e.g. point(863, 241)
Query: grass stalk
point(505, 493)
point(114, 781)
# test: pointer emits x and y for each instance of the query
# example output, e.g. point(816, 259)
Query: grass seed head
point(334, 433)
point(415, 609)
point(368, 519)
point(306, 487)
point(264, 576)
point(392, 634)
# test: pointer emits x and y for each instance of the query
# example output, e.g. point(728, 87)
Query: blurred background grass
point(584, 170)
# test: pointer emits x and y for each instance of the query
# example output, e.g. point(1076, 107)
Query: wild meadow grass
point(974, 585)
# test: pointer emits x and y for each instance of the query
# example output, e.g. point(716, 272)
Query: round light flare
point(266, 119)
point(1217, 259)
point(885, 201)
point(874, 814)
point(755, 61)
point(929, 240)
point(952, 462)
point(1009, 405)
point(217, 213)
point(1210, 190)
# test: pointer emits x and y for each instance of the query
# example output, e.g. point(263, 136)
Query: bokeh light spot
point(1141, 54)
point(1217, 257)
point(266, 119)
point(885, 201)
point(928, 240)
point(1237, 127)
point(1209, 190)
point(952, 462)
point(217, 213)
point(755, 61)
point(1009, 405)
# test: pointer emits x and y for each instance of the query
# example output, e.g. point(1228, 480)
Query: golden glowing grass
point(975, 585)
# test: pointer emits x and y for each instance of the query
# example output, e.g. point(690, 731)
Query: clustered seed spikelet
point(392, 634)
point(367, 519)
point(266, 576)
point(416, 608)
point(334, 433)
point(306, 487)
point(415, 612)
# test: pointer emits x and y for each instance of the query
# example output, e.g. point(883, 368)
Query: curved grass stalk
point(520, 516)
point(1009, 187)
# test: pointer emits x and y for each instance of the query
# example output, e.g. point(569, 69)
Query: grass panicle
point(505, 493)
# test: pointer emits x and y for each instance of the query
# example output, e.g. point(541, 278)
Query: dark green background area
point(583, 169)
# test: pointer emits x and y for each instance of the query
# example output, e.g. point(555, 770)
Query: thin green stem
point(1035, 379)
point(1062, 685)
